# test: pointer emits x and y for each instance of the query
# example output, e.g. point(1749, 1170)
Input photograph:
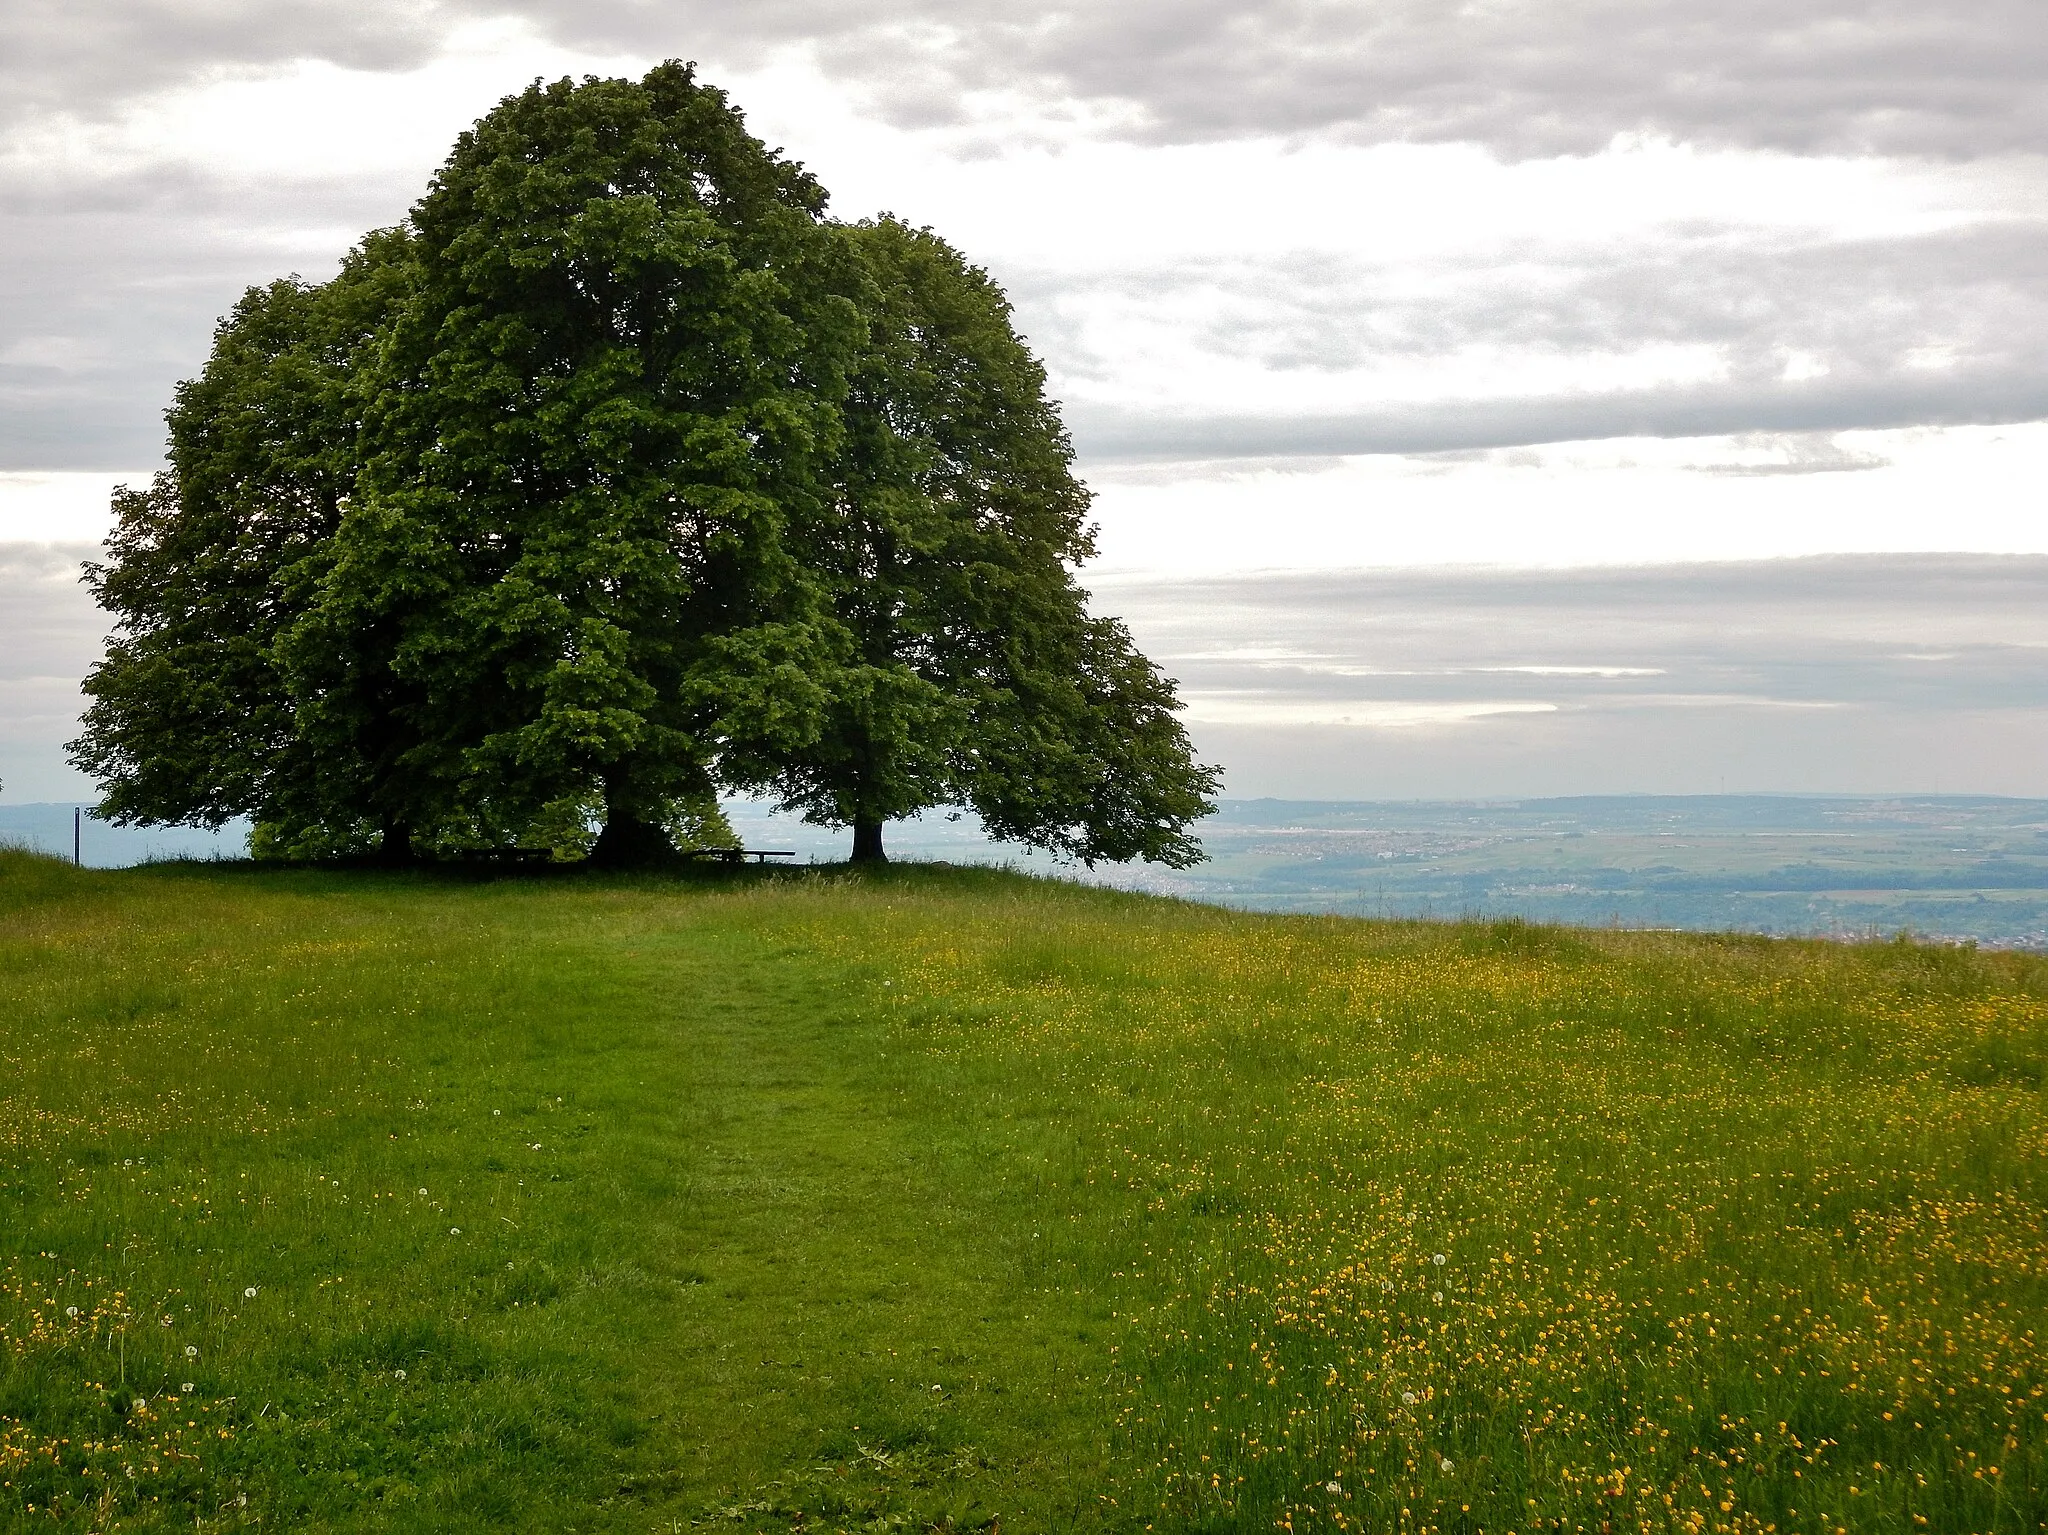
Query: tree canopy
point(618, 476)
point(192, 717)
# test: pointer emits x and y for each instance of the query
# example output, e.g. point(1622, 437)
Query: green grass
point(955, 1200)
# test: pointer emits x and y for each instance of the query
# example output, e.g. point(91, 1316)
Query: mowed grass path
point(955, 1200)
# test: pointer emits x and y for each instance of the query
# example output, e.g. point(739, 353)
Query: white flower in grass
point(187, 1388)
point(191, 1351)
point(1333, 1487)
point(455, 1231)
point(398, 1374)
point(142, 1404)
point(250, 1293)
point(423, 1193)
point(1439, 1260)
point(71, 1311)
point(1447, 1467)
point(1408, 1397)
point(1438, 1296)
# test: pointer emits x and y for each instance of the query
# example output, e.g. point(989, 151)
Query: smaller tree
point(192, 717)
point(967, 668)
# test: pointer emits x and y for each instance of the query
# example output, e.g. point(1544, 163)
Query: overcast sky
point(1336, 288)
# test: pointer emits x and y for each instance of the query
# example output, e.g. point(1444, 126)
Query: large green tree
point(618, 474)
point(614, 392)
point(970, 669)
point(192, 716)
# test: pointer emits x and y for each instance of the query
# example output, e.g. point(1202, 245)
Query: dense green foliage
point(621, 474)
point(947, 1200)
point(210, 568)
point(975, 674)
point(593, 429)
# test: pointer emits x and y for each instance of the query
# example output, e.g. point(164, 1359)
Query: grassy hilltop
point(955, 1200)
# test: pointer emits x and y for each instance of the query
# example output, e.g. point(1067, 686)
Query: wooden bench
point(738, 854)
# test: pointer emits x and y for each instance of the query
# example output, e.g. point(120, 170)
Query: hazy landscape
point(1952, 867)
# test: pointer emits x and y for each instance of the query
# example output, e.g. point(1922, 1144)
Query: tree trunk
point(394, 847)
point(628, 841)
point(867, 842)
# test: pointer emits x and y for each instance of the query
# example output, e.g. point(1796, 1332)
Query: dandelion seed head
point(191, 1351)
point(186, 1388)
point(1439, 1260)
point(455, 1231)
point(1408, 1397)
point(250, 1293)
point(71, 1311)
point(1333, 1487)
point(1447, 1466)
point(398, 1374)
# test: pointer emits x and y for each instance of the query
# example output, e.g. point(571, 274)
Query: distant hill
point(1946, 866)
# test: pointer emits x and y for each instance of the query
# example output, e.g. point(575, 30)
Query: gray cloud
point(1914, 77)
point(1925, 633)
point(110, 288)
point(1992, 398)
point(1940, 329)
point(88, 58)
point(1869, 674)
point(109, 284)
point(1802, 454)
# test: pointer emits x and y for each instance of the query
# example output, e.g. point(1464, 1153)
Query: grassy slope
point(949, 1196)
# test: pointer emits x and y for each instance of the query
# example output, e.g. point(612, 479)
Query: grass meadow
point(953, 1200)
